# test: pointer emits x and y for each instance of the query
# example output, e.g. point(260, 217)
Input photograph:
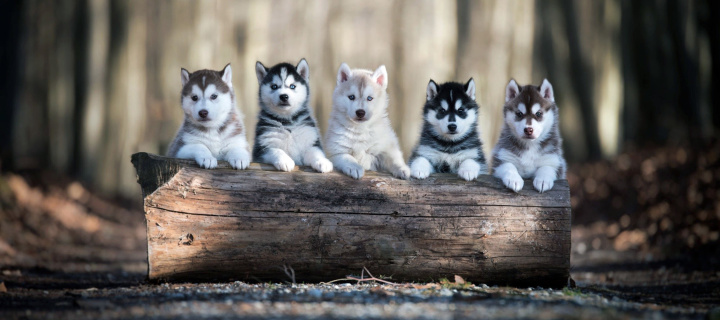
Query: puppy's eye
point(213, 96)
point(461, 110)
point(194, 98)
point(369, 98)
point(351, 97)
point(292, 86)
point(519, 114)
point(538, 114)
point(274, 87)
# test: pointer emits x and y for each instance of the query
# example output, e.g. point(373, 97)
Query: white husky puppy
point(530, 145)
point(213, 127)
point(286, 133)
point(359, 134)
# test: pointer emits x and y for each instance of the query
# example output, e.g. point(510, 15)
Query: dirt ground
point(645, 245)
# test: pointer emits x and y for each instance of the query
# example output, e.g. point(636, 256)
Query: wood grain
point(225, 224)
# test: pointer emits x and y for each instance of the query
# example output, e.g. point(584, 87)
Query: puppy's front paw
point(402, 172)
point(322, 165)
point(420, 168)
point(468, 174)
point(419, 173)
point(354, 170)
point(207, 162)
point(513, 181)
point(284, 163)
point(543, 183)
point(240, 163)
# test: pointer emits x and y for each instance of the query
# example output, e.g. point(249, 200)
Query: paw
point(240, 163)
point(207, 162)
point(420, 168)
point(322, 165)
point(354, 170)
point(468, 174)
point(419, 173)
point(513, 181)
point(402, 172)
point(284, 163)
point(543, 183)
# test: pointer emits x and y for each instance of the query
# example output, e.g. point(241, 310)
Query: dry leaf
point(459, 280)
point(2, 287)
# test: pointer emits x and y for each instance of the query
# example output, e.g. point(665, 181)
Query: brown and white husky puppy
point(213, 128)
point(530, 145)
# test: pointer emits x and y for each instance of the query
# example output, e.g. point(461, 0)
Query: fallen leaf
point(2, 287)
point(459, 279)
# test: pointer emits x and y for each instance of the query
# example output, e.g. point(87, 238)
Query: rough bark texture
point(247, 225)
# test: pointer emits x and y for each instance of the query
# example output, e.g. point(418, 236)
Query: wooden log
point(224, 224)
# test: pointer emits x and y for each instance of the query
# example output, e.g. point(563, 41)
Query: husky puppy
point(213, 127)
point(286, 133)
point(450, 141)
point(530, 145)
point(359, 134)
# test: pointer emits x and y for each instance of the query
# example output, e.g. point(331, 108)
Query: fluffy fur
point(286, 133)
point(359, 135)
point(450, 141)
point(213, 128)
point(530, 145)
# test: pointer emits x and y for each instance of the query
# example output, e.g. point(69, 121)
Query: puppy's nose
point(360, 113)
point(528, 131)
point(203, 114)
point(283, 97)
point(452, 127)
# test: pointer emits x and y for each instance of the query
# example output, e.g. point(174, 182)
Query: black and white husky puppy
point(286, 133)
point(450, 141)
point(530, 145)
point(213, 127)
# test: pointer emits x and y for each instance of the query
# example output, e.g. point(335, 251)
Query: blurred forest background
point(87, 83)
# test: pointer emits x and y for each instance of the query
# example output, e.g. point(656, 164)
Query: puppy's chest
point(446, 162)
point(292, 138)
point(527, 161)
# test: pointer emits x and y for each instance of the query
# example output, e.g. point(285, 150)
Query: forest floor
point(644, 245)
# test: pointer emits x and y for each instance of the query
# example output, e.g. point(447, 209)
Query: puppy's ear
point(260, 71)
point(432, 90)
point(303, 69)
point(185, 76)
point(344, 73)
point(381, 77)
point(512, 90)
point(470, 88)
point(546, 90)
point(227, 75)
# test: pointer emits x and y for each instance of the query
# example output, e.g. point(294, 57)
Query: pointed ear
point(470, 88)
point(344, 73)
point(303, 69)
point(227, 75)
point(546, 90)
point(432, 90)
point(185, 76)
point(380, 76)
point(260, 71)
point(512, 90)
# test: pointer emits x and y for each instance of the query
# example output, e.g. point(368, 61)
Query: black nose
point(203, 114)
point(283, 97)
point(452, 127)
point(528, 131)
point(360, 113)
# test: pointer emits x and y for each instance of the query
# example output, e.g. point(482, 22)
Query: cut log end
point(253, 224)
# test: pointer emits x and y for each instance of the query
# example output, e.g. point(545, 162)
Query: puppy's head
point(451, 109)
point(530, 111)
point(361, 94)
point(207, 95)
point(284, 88)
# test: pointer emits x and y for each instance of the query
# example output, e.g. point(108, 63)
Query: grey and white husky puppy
point(450, 141)
point(530, 145)
point(359, 134)
point(213, 128)
point(286, 133)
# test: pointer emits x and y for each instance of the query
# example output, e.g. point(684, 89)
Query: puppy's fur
point(213, 127)
point(530, 145)
point(450, 141)
point(359, 135)
point(286, 133)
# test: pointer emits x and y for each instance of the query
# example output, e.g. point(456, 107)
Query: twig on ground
point(363, 279)
point(290, 273)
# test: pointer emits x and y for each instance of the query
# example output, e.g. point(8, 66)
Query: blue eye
point(351, 97)
point(274, 87)
point(370, 98)
point(538, 114)
point(292, 86)
point(213, 97)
